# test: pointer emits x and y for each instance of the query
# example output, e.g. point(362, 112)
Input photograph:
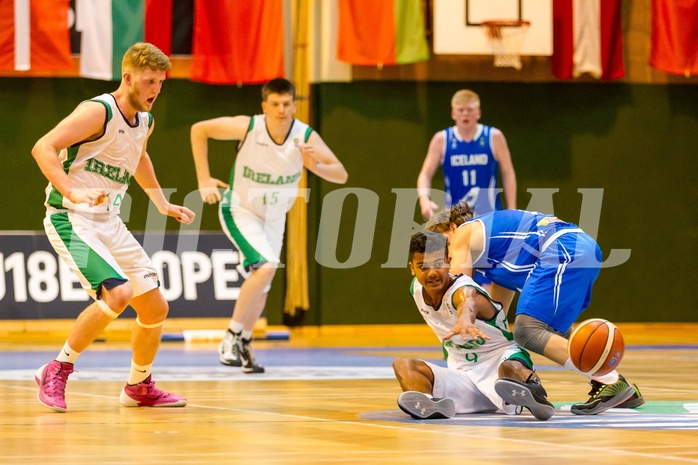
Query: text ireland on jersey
point(112, 172)
point(266, 178)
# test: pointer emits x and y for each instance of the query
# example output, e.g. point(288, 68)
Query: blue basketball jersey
point(552, 263)
point(470, 170)
point(514, 240)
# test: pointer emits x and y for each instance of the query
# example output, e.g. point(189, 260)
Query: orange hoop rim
point(505, 23)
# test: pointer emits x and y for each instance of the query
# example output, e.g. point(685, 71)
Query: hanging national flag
point(674, 44)
point(109, 28)
point(158, 24)
point(322, 46)
point(35, 35)
point(587, 38)
point(237, 42)
point(381, 32)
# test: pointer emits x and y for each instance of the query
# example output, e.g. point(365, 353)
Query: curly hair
point(456, 214)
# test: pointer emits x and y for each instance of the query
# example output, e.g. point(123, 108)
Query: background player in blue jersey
point(553, 264)
point(471, 156)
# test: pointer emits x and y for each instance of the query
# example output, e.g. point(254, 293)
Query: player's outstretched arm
point(470, 304)
point(145, 176)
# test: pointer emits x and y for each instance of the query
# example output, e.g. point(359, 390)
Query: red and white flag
point(674, 41)
point(587, 38)
point(35, 35)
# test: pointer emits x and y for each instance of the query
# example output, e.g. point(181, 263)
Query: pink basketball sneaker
point(51, 379)
point(145, 394)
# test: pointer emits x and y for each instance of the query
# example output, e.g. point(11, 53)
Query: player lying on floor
point(487, 371)
point(552, 265)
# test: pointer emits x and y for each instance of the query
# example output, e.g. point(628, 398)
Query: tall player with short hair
point(101, 146)
point(471, 155)
point(274, 147)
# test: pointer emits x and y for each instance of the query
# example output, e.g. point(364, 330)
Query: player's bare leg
point(235, 349)
point(417, 381)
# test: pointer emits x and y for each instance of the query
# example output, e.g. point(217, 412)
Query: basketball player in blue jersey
point(471, 155)
point(553, 265)
point(90, 158)
point(487, 371)
point(274, 148)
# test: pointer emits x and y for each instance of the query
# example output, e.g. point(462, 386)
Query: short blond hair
point(465, 96)
point(143, 55)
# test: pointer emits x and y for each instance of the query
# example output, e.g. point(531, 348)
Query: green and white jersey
point(107, 162)
point(465, 355)
point(264, 179)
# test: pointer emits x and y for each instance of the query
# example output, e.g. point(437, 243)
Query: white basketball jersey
point(108, 162)
point(465, 355)
point(265, 176)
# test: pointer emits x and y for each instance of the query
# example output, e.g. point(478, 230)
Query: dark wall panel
point(634, 143)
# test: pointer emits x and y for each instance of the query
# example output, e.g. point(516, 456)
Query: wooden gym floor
point(329, 397)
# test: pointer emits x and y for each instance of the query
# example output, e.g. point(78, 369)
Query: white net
point(506, 38)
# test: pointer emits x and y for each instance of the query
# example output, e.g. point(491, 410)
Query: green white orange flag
point(109, 28)
point(35, 35)
point(381, 32)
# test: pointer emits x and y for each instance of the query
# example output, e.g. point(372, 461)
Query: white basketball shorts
point(100, 248)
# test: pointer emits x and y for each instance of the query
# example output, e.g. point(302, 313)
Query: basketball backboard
point(458, 25)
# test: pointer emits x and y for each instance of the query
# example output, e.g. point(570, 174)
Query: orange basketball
point(596, 347)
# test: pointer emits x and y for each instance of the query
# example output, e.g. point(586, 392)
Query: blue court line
point(274, 356)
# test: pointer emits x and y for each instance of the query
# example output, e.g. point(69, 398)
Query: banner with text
point(200, 275)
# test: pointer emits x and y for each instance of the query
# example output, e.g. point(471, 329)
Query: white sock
point(247, 335)
point(138, 373)
point(570, 366)
point(610, 378)
point(67, 354)
point(236, 327)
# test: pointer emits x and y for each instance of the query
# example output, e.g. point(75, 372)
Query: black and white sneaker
point(422, 407)
point(530, 395)
point(229, 350)
point(249, 365)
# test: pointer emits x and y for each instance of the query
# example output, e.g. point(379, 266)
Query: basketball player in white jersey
point(90, 158)
point(487, 371)
point(274, 148)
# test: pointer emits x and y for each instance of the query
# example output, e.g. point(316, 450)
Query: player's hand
point(208, 189)
point(183, 214)
point(427, 207)
point(308, 153)
point(90, 196)
point(465, 330)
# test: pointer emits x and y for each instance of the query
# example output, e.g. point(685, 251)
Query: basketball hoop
point(506, 38)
